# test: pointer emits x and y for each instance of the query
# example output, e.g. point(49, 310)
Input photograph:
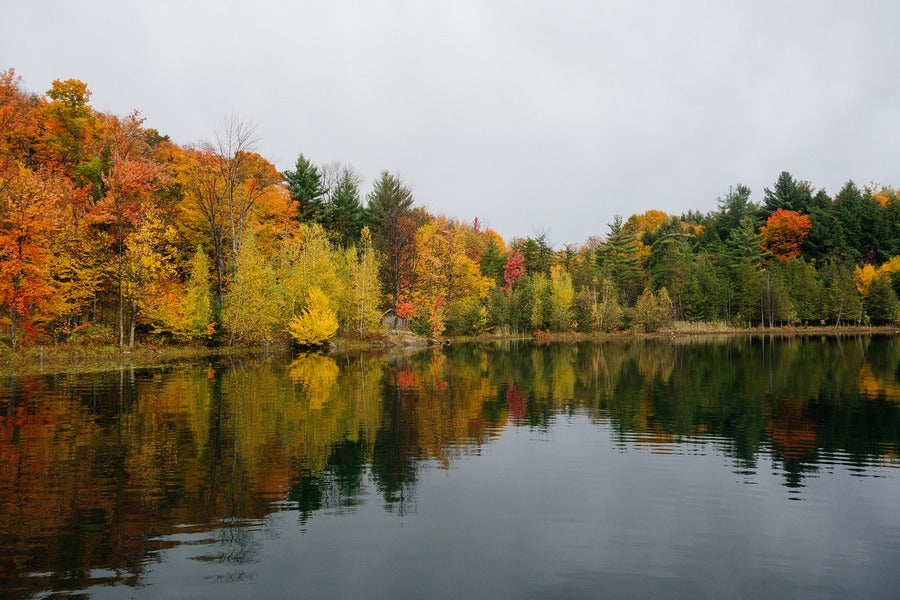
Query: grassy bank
point(82, 358)
point(679, 330)
point(87, 358)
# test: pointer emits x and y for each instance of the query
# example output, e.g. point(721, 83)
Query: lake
point(705, 467)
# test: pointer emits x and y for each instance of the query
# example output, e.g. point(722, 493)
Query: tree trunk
point(220, 270)
point(121, 315)
point(119, 250)
point(12, 327)
point(133, 322)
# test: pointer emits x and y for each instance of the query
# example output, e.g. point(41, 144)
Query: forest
point(110, 233)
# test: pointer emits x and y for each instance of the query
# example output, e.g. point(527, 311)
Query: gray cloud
point(532, 116)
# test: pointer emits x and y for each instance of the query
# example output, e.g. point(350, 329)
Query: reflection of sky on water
point(565, 510)
point(510, 470)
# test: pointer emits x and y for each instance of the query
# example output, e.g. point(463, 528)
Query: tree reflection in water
point(104, 471)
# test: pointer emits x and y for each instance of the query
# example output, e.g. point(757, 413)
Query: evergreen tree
point(498, 316)
point(828, 236)
point(847, 209)
point(492, 261)
point(343, 214)
point(881, 304)
point(671, 265)
point(707, 294)
point(743, 245)
point(806, 291)
point(788, 194)
point(878, 242)
point(536, 253)
point(748, 294)
point(520, 305)
point(842, 297)
point(619, 259)
point(866, 225)
point(393, 227)
point(733, 207)
point(305, 186)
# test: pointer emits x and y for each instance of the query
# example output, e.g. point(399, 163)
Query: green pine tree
point(305, 186)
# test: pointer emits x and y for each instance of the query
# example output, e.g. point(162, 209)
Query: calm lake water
point(713, 468)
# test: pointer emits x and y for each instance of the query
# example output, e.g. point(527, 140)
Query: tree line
point(109, 231)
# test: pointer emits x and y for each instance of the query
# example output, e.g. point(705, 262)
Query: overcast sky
point(534, 116)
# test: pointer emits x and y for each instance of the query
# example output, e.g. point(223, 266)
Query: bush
point(652, 311)
point(93, 334)
point(419, 324)
point(470, 319)
point(317, 323)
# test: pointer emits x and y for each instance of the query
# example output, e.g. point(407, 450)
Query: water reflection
point(101, 473)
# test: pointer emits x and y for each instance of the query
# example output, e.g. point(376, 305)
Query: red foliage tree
point(513, 269)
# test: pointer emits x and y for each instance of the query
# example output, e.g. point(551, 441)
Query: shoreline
point(572, 337)
point(84, 359)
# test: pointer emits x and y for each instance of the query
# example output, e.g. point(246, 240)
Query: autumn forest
point(110, 233)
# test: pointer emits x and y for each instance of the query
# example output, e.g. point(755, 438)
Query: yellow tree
point(148, 269)
point(185, 310)
point(228, 189)
point(562, 294)
point(647, 222)
point(540, 301)
point(133, 174)
point(316, 323)
point(197, 304)
point(863, 277)
point(365, 288)
point(309, 260)
point(874, 286)
point(252, 309)
point(71, 133)
point(448, 280)
point(80, 260)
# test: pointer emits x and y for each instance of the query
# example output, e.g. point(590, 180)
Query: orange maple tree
point(27, 206)
point(784, 233)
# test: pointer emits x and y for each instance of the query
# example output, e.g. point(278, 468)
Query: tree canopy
point(108, 227)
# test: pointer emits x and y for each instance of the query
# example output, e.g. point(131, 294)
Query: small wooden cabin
point(390, 321)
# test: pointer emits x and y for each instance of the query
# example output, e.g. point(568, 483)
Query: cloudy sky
point(534, 116)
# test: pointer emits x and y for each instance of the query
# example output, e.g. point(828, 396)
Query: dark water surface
point(687, 468)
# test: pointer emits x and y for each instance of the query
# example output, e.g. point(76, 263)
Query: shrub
point(652, 311)
point(317, 323)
